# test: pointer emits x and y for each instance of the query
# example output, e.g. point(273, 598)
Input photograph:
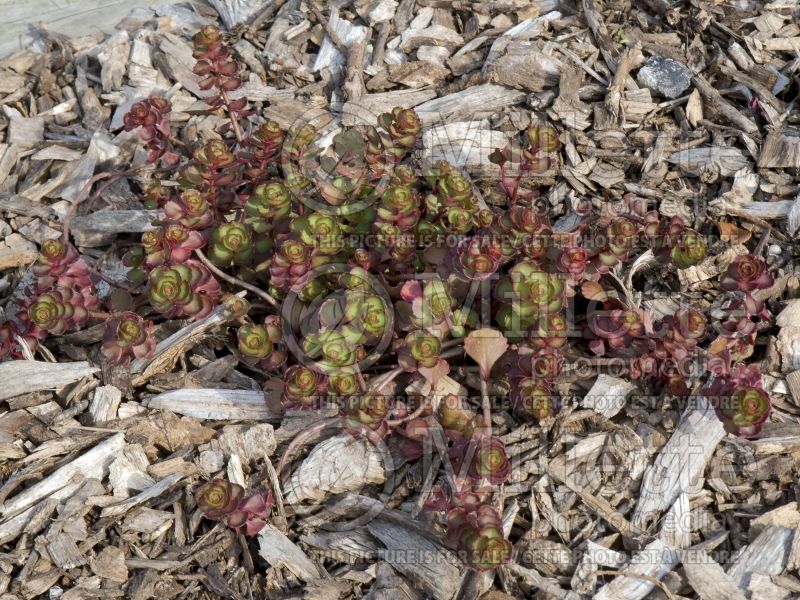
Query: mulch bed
point(627, 497)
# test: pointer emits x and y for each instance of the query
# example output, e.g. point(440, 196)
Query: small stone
point(433, 54)
point(16, 251)
point(211, 461)
point(665, 76)
point(39, 232)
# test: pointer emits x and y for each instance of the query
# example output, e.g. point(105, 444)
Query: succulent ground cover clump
point(371, 274)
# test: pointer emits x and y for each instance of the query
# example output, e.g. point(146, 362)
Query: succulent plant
point(171, 244)
point(9, 347)
point(222, 500)
point(572, 260)
point(303, 387)
point(268, 203)
point(620, 330)
point(746, 273)
point(291, 261)
point(535, 292)
point(689, 250)
point(544, 364)
point(424, 348)
point(343, 382)
point(743, 411)
point(264, 145)
point(622, 235)
point(403, 127)
point(58, 310)
point(212, 168)
point(367, 410)
point(399, 205)
point(543, 138)
point(231, 244)
point(550, 331)
point(367, 314)
point(151, 116)
point(277, 209)
point(155, 194)
point(479, 257)
point(534, 398)
point(320, 231)
point(254, 342)
point(477, 536)
point(191, 209)
point(213, 64)
point(236, 306)
point(489, 460)
point(60, 265)
point(126, 336)
point(186, 289)
point(685, 329)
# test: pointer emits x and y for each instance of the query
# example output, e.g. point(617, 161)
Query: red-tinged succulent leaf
point(254, 343)
point(127, 336)
point(591, 290)
point(534, 398)
point(544, 138)
point(218, 498)
point(9, 347)
point(368, 410)
point(477, 536)
point(435, 373)
point(489, 460)
point(485, 347)
point(746, 273)
point(743, 410)
point(424, 347)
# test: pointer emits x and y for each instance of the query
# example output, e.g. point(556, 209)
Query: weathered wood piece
point(25, 376)
point(105, 403)
point(63, 482)
point(767, 554)
point(233, 405)
point(607, 395)
point(470, 104)
point(339, 464)
point(680, 462)
point(427, 564)
point(279, 551)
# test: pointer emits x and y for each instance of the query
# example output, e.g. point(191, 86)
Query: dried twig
point(235, 281)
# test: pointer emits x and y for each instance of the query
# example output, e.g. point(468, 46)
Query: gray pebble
point(664, 76)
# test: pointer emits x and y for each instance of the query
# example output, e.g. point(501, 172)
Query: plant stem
point(452, 353)
point(382, 381)
point(487, 405)
point(452, 343)
point(235, 281)
point(419, 410)
point(237, 131)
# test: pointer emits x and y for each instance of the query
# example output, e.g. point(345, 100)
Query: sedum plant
point(367, 268)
